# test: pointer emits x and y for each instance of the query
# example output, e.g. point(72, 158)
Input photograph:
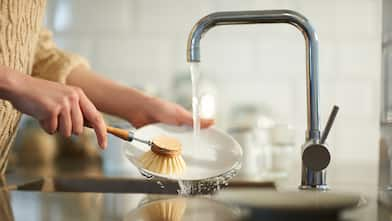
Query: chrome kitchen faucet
point(315, 154)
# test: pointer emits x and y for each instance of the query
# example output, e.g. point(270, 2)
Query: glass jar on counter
point(249, 125)
point(282, 148)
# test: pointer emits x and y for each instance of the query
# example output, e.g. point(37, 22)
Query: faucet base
point(314, 187)
point(315, 159)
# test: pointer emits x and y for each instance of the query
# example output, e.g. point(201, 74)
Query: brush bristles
point(162, 164)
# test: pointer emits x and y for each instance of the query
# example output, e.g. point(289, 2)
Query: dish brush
point(164, 156)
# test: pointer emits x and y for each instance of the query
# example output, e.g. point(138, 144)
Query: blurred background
point(256, 70)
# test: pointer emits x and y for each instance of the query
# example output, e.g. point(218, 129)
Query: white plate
point(217, 154)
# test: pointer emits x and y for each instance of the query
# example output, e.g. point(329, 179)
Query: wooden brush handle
point(121, 133)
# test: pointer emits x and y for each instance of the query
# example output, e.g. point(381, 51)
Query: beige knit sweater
point(27, 47)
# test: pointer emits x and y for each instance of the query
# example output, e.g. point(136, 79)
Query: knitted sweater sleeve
point(52, 63)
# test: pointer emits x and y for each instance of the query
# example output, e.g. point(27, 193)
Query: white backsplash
point(144, 41)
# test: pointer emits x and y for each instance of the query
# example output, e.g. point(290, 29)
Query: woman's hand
point(157, 110)
point(128, 103)
point(59, 108)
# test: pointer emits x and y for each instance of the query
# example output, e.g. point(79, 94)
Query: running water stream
point(195, 77)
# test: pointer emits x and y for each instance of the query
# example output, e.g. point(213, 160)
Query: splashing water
point(195, 77)
point(206, 186)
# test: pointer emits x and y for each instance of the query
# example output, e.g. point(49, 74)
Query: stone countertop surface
point(351, 177)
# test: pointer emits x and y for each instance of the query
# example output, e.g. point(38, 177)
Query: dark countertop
point(33, 205)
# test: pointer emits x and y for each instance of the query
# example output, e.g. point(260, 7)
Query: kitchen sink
point(119, 185)
point(253, 200)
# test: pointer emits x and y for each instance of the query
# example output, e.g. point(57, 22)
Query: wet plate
point(216, 159)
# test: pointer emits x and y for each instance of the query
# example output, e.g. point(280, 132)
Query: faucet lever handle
point(329, 124)
point(316, 157)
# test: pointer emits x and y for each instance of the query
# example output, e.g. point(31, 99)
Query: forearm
point(106, 94)
point(9, 82)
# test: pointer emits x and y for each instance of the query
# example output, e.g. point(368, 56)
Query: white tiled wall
point(144, 41)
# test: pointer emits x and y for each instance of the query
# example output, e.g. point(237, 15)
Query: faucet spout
point(270, 16)
point(315, 154)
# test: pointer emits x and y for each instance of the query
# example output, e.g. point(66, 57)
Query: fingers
point(65, 126)
point(185, 117)
point(66, 122)
point(77, 119)
point(205, 123)
point(50, 125)
point(68, 112)
point(95, 119)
